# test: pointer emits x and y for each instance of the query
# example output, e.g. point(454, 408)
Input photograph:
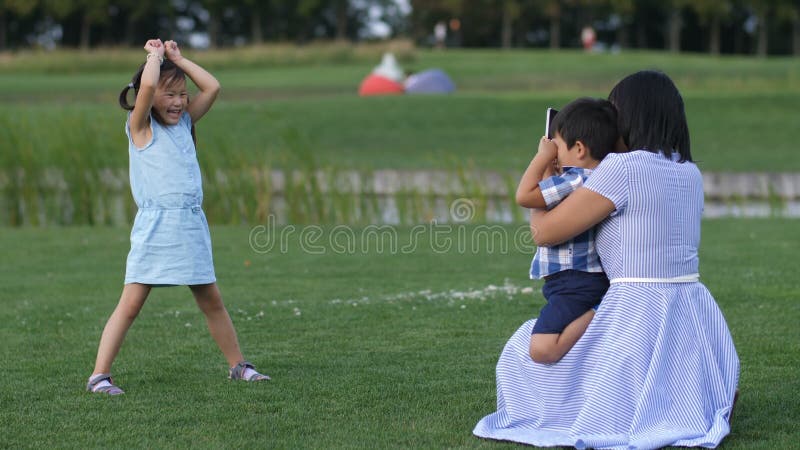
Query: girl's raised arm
point(205, 82)
point(147, 89)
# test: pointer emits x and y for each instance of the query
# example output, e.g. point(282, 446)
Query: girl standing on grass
point(170, 242)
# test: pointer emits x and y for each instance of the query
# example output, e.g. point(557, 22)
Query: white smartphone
point(551, 114)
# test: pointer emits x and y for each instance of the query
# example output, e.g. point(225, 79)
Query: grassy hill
point(282, 105)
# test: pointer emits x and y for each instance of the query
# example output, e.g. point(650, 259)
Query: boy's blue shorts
point(569, 294)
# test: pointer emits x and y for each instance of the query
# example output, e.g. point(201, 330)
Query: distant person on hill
point(170, 242)
point(584, 132)
point(588, 38)
point(440, 34)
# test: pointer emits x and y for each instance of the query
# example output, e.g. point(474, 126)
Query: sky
point(375, 27)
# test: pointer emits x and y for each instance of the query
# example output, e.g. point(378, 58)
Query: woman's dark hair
point(592, 121)
point(650, 114)
point(169, 74)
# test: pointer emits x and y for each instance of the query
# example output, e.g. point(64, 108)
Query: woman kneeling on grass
point(657, 365)
point(170, 242)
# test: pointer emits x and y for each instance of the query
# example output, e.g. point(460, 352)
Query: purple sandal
point(237, 373)
point(91, 386)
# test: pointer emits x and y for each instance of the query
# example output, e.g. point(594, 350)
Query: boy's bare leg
point(130, 303)
point(209, 300)
point(548, 348)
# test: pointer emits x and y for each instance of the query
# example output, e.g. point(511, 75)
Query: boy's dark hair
point(592, 121)
point(651, 115)
point(170, 73)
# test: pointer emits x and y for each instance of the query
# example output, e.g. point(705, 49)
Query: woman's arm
point(205, 82)
point(529, 194)
point(580, 211)
point(139, 121)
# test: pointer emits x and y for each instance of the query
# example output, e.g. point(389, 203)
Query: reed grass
point(294, 109)
point(243, 194)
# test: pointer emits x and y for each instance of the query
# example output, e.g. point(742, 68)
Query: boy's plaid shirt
point(579, 253)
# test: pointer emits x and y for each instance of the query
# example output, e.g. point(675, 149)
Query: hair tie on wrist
point(160, 58)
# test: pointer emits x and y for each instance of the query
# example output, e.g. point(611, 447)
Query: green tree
point(59, 9)
point(674, 23)
point(625, 10)
point(19, 8)
point(511, 12)
point(91, 12)
point(795, 12)
point(216, 9)
point(425, 14)
point(762, 9)
point(135, 12)
point(256, 11)
point(341, 11)
point(281, 19)
point(306, 12)
point(789, 11)
point(396, 17)
point(711, 14)
point(350, 16)
point(553, 10)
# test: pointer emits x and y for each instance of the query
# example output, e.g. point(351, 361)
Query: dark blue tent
point(432, 81)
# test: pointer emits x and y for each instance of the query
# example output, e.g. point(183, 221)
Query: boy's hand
point(529, 194)
point(547, 150)
point(155, 46)
point(173, 52)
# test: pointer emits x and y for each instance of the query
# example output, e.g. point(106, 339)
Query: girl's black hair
point(169, 74)
point(592, 121)
point(651, 115)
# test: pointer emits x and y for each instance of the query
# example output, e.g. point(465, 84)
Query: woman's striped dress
point(657, 365)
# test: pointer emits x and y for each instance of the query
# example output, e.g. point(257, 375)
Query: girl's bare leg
point(130, 303)
point(209, 300)
point(550, 348)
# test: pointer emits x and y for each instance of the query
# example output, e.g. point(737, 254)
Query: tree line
point(716, 26)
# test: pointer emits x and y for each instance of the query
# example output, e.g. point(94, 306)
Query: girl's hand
point(173, 52)
point(155, 46)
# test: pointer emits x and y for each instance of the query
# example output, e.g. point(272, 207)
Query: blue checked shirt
point(580, 252)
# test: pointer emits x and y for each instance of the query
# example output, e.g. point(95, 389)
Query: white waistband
point(691, 278)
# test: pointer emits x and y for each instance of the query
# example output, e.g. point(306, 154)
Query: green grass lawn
point(371, 349)
point(729, 132)
point(739, 109)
